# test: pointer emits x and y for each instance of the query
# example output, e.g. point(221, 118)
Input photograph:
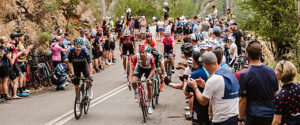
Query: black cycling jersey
point(83, 57)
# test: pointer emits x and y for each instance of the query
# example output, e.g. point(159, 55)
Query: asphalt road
point(113, 104)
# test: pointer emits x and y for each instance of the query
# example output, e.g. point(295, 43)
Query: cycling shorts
point(139, 72)
point(78, 69)
point(128, 49)
point(22, 66)
point(112, 45)
point(96, 53)
point(4, 72)
point(107, 45)
point(167, 53)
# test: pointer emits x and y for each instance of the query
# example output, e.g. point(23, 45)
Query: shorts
point(112, 45)
point(161, 29)
point(58, 80)
point(200, 116)
point(157, 29)
point(143, 30)
point(96, 53)
point(178, 31)
point(136, 31)
point(100, 53)
point(55, 63)
point(78, 69)
point(16, 71)
point(107, 45)
point(186, 32)
point(22, 66)
point(4, 72)
point(139, 72)
point(167, 53)
point(230, 121)
point(126, 49)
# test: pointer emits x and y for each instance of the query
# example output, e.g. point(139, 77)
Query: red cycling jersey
point(149, 61)
point(153, 43)
point(126, 41)
point(165, 42)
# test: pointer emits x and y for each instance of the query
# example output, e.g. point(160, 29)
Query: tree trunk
point(206, 5)
point(225, 6)
point(111, 7)
point(103, 6)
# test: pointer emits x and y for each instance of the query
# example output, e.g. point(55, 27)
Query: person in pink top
point(168, 49)
point(56, 51)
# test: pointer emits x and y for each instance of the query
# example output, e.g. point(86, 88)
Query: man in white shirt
point(232, 50)
point(221, 89)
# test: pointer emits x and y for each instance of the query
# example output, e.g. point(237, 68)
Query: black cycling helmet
point(187, 49)
point(78, 41)
point(155, 52)
point(15, 34)
point(197, 57)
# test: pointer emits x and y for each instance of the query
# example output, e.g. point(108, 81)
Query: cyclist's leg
point(149, 84)
point(137, 74)
point(124, 53)
point(76, 81)
point(172, 59)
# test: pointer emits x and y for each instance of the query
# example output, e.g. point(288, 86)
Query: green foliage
point(183, 8)
point(273, 20)
point(43, 37)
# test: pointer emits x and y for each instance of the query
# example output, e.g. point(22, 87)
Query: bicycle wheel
point(78, 104)
point(86, 104)
point(154, 90)
point(142, 104)
point(169, 73)
point(128, 71)
point(158, 91)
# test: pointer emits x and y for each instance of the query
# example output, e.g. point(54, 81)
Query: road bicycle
point(169, 68)
point(142, 97)
point(156, 89)
point(82, 101)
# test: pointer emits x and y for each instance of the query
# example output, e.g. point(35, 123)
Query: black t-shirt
point(167, 10)
point(136, 24)
point(237, 34)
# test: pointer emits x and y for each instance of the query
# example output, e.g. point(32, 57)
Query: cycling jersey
point(83, 57)
point(149, 61)
point(127, 42)
point(4, 62)
point(59, 75)
point(153, 43)
point(168, 45)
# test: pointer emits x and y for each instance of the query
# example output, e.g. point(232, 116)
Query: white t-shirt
point(215, 12)
point(160, 24)
point(233, 47)
point(168, 29)
point(222, 108)
point(187, 71)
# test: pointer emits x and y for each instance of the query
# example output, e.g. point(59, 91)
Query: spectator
point(238, 35)
point(143, 24)
point(221, 89)
point(214, 15)
point(258, 87)
point(287, 100)
point(131, 27)
point(200, 112)
point(205, 25)
point(136, 27)
point(56, 51)
point(166, 11)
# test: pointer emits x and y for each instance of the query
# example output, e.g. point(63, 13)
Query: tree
point(273, 20)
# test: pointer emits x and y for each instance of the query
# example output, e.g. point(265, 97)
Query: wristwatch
point(195, 88)
point(240, 120)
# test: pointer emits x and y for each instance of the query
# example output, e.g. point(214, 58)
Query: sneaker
point(7, 98)
point(186, 113)
point(91, 94)
point(22, 94)
point(26, 91)
point(187, 108)
point(136, 97)
point(2, 100)
point(173, 71)
point(125, 75)
point(150, 109)
point(17, 97)
point(162, 87)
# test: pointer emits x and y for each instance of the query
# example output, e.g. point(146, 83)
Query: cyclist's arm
point(70, 64)
point(120, 45)
point(173, 45)
point(162, 47)
point(152, 61)
point(91, 69)
point(132, 67)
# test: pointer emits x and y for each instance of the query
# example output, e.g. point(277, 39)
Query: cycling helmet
point(78, 41)
point(155, 53)
point(187, 49)
point(126, 32)
point(15, 34)
point(148, 48)
point(142, 47)
point(59, 31)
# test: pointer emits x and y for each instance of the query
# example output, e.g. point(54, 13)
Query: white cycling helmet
point(122, 17)
point(126, 32)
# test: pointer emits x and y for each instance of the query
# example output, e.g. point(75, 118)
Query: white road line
point(63, 121)
point(93, 103)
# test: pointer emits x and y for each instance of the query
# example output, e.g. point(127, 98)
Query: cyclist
point(150, 41)
point(143, 64)
point(159, 66)
point(168, 49)
point(80, 62)
point(126, 45)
